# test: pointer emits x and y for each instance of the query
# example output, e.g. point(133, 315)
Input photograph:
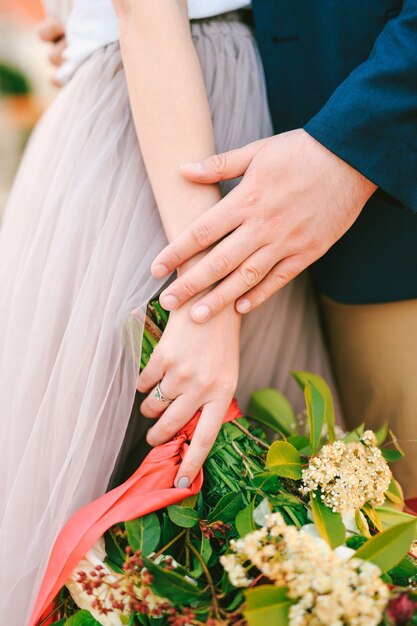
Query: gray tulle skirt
point(78, 238)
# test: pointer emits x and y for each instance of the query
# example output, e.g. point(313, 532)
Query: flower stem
point(260, 443)
point(168, 545)
point(207, 574)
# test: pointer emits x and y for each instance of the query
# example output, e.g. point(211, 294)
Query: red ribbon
point(150, 489)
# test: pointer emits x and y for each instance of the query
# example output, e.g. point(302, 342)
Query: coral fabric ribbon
point(149, 489)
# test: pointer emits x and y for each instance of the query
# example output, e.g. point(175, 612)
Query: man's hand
point(295, 201)
point(53, 32)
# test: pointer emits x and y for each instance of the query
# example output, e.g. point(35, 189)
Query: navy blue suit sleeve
point(370, 121)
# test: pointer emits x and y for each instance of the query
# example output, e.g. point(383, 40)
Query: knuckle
point(250, 275)
point(187, 288)
point(201, 235)
point(251, 198)
point(220, 265)
point(279, 278)
point(218, 163)
point(218, 302)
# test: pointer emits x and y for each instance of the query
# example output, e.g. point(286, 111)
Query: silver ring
point(159, 394)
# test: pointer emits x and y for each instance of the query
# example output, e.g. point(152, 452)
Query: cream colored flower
point(348, 475)
point(330, 588)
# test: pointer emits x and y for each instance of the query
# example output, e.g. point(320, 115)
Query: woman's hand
point(197, 366)
point(51, 31)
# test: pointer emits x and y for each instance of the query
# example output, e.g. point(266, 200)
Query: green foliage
point(227, 508)
point(245, 523)
point(284, 460)
point(317, 411)
point(182, 516)
point(13, 82)
point(392, 517)
point(267, 605)
point(388, 548)
point(144, 533)
point(82, 618)
point(329, 524)
point(272, 409)
point(170, 583)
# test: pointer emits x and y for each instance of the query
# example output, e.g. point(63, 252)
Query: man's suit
point(346, 71)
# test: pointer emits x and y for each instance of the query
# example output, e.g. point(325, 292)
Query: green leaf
point(381, 434)
point(391, 455)
point(316, 414)
point(301, 443)
point(205, 551)
point(392, 517)
point(305, 378)
point(373, 516)
point(361, 523)
point(144, 533)
point(189, 502)
point(114, 551)
point(388, 548)
point(172, 585)
point(245, 523)
point(272, 409)
point(395, 492)
point(329, 524)
point(82, 618)
point(61, 622)
point(183, 517)
point(284, 460)
point(404, 572)
point(227, 508)
point(355, 435)
point(267, 605)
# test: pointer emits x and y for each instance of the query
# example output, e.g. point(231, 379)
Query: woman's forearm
point(169, 104)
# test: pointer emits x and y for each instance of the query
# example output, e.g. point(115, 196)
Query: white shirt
point(92, 24)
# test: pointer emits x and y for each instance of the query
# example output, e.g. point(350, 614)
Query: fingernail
point(201, 313)
point(160, 270)
point(183, 483)
point(243, 305)
point(195, 167)
point(169, 302)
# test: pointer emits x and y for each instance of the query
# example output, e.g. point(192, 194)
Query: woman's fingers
point(151, 375)
point(56, 56)
point(245, 277)
point(279, 276)
point(214, 224)
point(205, 435)
point(177, 415)
point(51, 31)
point(214, 266)
point(154, 406)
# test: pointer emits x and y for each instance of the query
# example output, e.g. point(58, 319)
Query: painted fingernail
point(169, 302)
point(183, 483)
point(243, 305)
point(159, 270)
point(195, 167)
point(201, 313)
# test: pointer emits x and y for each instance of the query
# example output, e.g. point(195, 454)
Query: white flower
point(330, 588)
point(348, 475)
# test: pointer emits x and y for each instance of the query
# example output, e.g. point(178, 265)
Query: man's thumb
point(222, 166)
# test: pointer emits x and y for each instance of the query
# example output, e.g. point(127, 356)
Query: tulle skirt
point(79, 235)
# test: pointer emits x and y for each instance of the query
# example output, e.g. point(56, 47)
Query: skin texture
point(296, 199)
point(172, 129)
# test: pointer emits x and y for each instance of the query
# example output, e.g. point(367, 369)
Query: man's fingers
point(179, 413)
point(224, 166)
point(205, 231)
point(51, 31)
point(246, 276)
point(214, 266)
point(205, 435)
point(279, 276)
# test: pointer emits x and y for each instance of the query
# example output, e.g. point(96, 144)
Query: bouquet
point(297, 523)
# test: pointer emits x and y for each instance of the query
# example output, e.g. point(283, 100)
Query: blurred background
point(25, 83)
